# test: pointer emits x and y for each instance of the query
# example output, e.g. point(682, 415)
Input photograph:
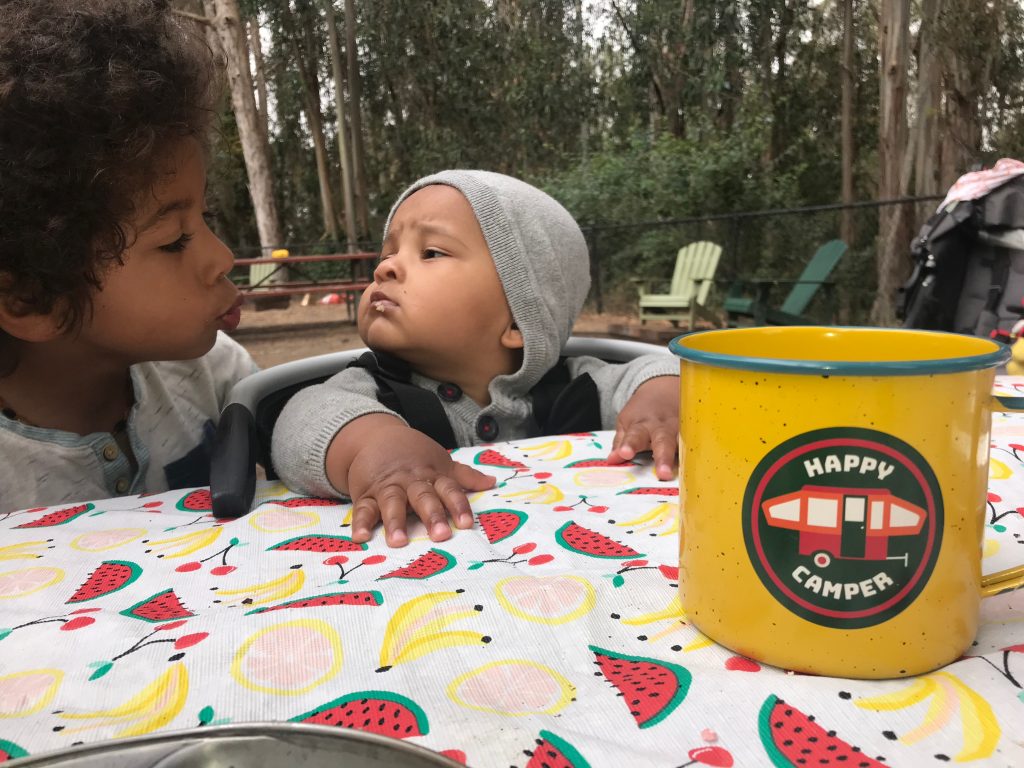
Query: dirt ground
point(275, 336)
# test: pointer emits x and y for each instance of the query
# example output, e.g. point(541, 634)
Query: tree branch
point(199, 18)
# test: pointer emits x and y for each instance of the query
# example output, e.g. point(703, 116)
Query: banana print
point(417, 628)
point(664, 515)
point(153, 707)
point(185, 545)
point(553, 450)
point(25, 550)
point(544, 494)
point(948, 694)
point(268, 591)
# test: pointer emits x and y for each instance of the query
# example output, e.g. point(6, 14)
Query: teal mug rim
point(993, 359)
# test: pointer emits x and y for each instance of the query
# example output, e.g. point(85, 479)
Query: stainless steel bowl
point(246, 745)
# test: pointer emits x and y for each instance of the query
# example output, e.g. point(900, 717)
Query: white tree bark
point(230, 29)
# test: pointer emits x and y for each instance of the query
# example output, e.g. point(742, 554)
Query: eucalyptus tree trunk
point(227, 22)
point(846, 119)
point(355, 95)
point(337, 69)
point(893, 223)
point(971, 55)
point(302, 44)
point(928, 141)
point(260, 72)
point(311, 100)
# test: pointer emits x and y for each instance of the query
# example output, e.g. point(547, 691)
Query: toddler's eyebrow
point(165, 209)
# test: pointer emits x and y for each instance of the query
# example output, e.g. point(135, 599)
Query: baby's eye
point(211, 215)
point(432, 253)
point(178, 245)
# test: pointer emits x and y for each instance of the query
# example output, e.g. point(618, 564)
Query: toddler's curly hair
point(93, 93)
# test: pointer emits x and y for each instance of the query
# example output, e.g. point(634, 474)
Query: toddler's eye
point(211, 215)
point(432, 253)
point(178, 245)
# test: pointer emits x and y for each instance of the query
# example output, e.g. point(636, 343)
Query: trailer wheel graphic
point(822, 559)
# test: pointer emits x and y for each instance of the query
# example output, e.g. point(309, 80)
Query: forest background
point(656, 122)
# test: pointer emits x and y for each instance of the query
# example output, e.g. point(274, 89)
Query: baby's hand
point(650, 421)
point(400, 467)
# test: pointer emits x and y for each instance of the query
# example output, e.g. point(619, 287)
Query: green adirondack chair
point(688, 291)
point(805, 287)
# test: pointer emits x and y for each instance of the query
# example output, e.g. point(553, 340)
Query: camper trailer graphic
point(845, 523)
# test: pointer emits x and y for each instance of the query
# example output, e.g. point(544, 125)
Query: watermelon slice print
point(584, 541)
point(317, 543)
point(161, 607)
point(650, 491)
point(303, 501)
point(584, 463)
point(196, 501)
point(370, 597)
point(555, 752)
point(430, 563)
point(58, 517)
point(380, 712)
point(793, 739)
point(652, 689)
point(109, 577)
point(10, 751)
point(499, 524)
point(491, 458)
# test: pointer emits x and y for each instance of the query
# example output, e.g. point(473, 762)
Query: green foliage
point(650, 119)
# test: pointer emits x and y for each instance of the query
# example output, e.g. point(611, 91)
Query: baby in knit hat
point(480, 280)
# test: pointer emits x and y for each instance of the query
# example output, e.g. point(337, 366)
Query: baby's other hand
point(400, 467)
point(650, 421)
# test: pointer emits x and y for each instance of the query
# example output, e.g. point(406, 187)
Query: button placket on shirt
point(111, 452)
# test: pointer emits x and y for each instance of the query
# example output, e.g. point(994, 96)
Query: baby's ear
point(512, 337)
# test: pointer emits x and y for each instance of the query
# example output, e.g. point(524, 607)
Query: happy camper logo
point(843, 525)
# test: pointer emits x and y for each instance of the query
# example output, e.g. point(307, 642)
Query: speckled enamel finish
point(744, 392)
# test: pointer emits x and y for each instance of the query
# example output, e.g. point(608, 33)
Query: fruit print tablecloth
point(550, 634)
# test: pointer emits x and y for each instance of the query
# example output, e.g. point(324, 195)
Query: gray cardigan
point(313, 417)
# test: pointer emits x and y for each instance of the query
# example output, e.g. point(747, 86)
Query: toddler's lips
point(229, 320)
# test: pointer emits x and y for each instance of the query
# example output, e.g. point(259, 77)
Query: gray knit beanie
point(541, 257)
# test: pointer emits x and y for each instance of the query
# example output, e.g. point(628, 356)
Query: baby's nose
point(386, 269)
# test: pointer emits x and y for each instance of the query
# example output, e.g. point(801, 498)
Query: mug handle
point(1011, 578)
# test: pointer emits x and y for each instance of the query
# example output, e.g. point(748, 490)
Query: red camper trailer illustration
point(845, 523)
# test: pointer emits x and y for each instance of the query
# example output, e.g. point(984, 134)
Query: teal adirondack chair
point(805, 287)
point(688, 291)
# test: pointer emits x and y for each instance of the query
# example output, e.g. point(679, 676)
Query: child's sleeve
point(309, 422)
point(616, 383)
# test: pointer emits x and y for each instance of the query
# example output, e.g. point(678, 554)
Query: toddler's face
point(172, 295)
point(436, 300)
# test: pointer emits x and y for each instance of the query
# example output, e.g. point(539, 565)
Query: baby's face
point(436, 300)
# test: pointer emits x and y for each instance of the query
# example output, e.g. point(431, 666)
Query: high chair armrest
point(233, 462)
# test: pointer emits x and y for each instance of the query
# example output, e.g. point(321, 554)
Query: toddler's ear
point(28, 326)
point(512, 337)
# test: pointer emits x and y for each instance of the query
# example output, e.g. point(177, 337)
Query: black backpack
point(968, 274)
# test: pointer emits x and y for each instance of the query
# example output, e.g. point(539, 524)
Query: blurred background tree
point(630, 112)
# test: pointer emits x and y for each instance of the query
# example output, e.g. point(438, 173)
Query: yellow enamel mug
point(833, 486)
